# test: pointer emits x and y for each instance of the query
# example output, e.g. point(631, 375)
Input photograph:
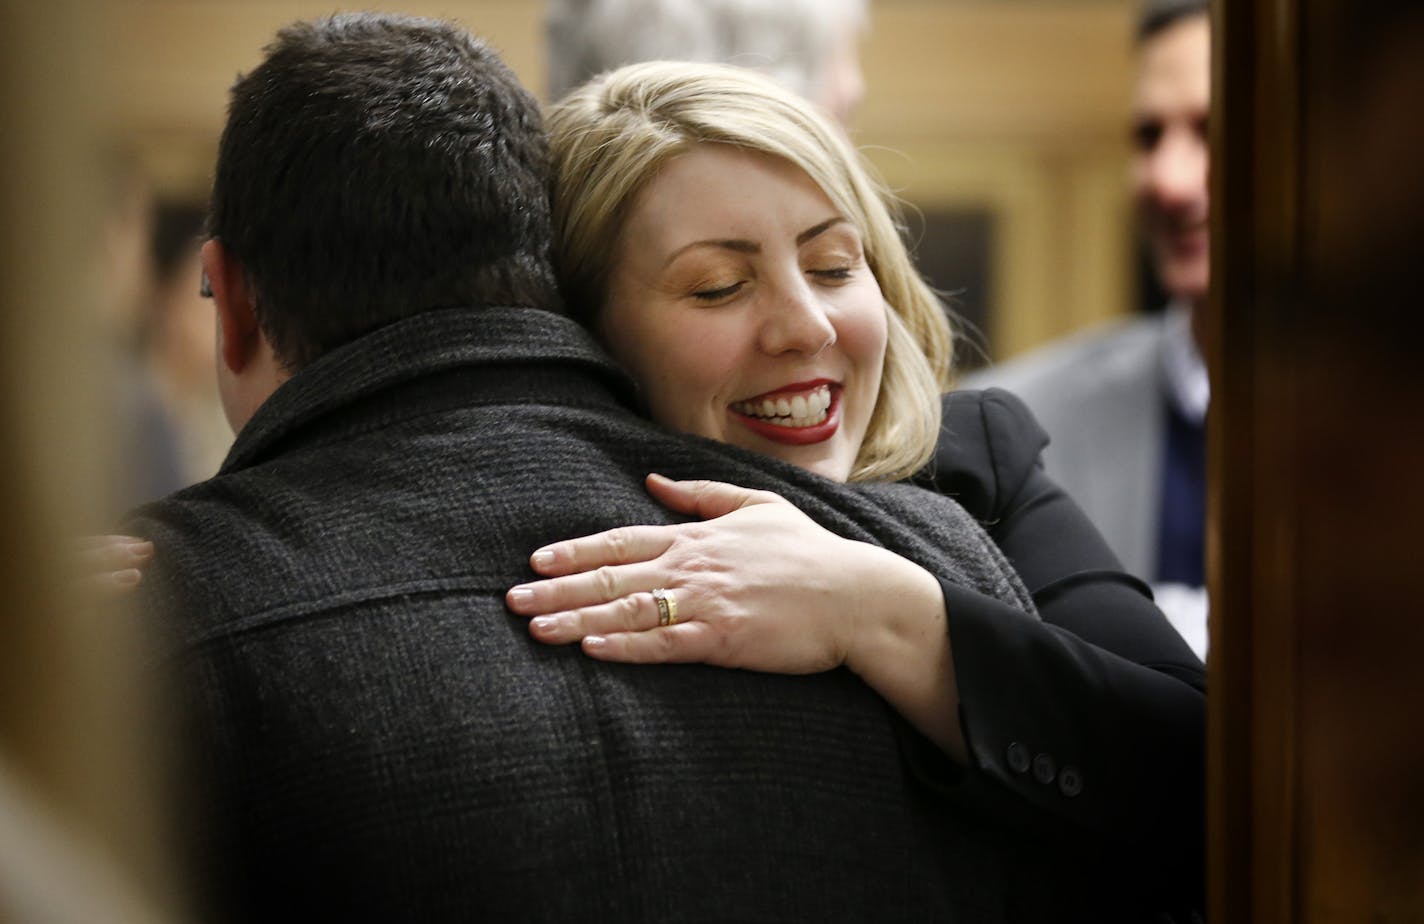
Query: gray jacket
point(1101, 396)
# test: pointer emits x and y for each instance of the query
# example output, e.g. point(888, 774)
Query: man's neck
point(245, 392)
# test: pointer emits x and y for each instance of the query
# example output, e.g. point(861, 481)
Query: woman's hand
point(109, 566)
point(757, 585)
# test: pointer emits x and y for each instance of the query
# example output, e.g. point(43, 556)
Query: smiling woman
point(729, 248)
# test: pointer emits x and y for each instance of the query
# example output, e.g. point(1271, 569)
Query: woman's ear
point(239, 336)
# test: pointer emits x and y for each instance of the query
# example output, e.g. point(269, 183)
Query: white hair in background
point(802, 44)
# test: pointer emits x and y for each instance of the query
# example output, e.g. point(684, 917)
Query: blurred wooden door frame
point(1252, 696)
point(1316, 761)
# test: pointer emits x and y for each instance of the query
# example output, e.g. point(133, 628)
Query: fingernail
point(594, 641)
point(141, 550)
point(542, 558)
point(544, 623)
point(128, 577)
point(521, 596)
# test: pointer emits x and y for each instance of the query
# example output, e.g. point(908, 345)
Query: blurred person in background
point(1125, 406)
point(812, 47)
point(148, 464)
point(177, 345)
point(159, 333)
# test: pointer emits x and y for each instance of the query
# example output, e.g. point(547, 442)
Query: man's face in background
point(1169, 167)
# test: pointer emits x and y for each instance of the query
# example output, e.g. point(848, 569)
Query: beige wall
point(1014, 105)
point(1021, 107)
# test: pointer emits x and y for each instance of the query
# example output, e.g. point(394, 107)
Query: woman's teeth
point(799, 411)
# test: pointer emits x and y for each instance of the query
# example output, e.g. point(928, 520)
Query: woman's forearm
point(901, 647)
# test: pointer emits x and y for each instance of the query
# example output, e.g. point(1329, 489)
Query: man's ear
point(239, 336)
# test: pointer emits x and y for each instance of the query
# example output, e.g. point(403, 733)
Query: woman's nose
point(796, 322)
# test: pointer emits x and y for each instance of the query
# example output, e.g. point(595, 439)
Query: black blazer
point(373, 737)
point(1094, 716)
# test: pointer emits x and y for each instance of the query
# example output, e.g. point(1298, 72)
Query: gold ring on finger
point(667, 607)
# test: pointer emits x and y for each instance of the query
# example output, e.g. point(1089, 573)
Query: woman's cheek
point(864, 329)
point(684, 367)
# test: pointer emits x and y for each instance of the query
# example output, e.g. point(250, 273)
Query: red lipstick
point(788, 435)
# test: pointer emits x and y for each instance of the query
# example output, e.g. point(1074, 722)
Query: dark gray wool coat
point(372, 736)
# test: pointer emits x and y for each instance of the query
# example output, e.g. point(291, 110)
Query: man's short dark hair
point(1157, 15)
point(378, 166)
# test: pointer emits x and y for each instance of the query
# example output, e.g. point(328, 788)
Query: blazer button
point(1044, 769)
point(1070, 781)
point(1017, 756)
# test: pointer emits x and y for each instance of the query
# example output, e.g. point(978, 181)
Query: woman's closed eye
point(832, 273)
point(718, 294)
point(833, 261)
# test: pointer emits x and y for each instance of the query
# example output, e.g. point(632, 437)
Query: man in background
point(812, 47)
point(1126, 406)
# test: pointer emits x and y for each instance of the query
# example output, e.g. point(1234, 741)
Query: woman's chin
point(818, 448)
point(822, 458)
point(833, 469)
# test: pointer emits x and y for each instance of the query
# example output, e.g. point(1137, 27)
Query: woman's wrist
point(899, 645)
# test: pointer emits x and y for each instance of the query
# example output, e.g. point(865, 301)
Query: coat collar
point(428, 343)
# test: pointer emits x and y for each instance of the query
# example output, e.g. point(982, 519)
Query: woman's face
point(742, 304)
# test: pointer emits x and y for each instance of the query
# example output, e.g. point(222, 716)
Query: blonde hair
point(610, 137)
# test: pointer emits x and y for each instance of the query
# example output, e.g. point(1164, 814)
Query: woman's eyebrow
point(814, 230)
point(741, 245)
point(737, 244)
